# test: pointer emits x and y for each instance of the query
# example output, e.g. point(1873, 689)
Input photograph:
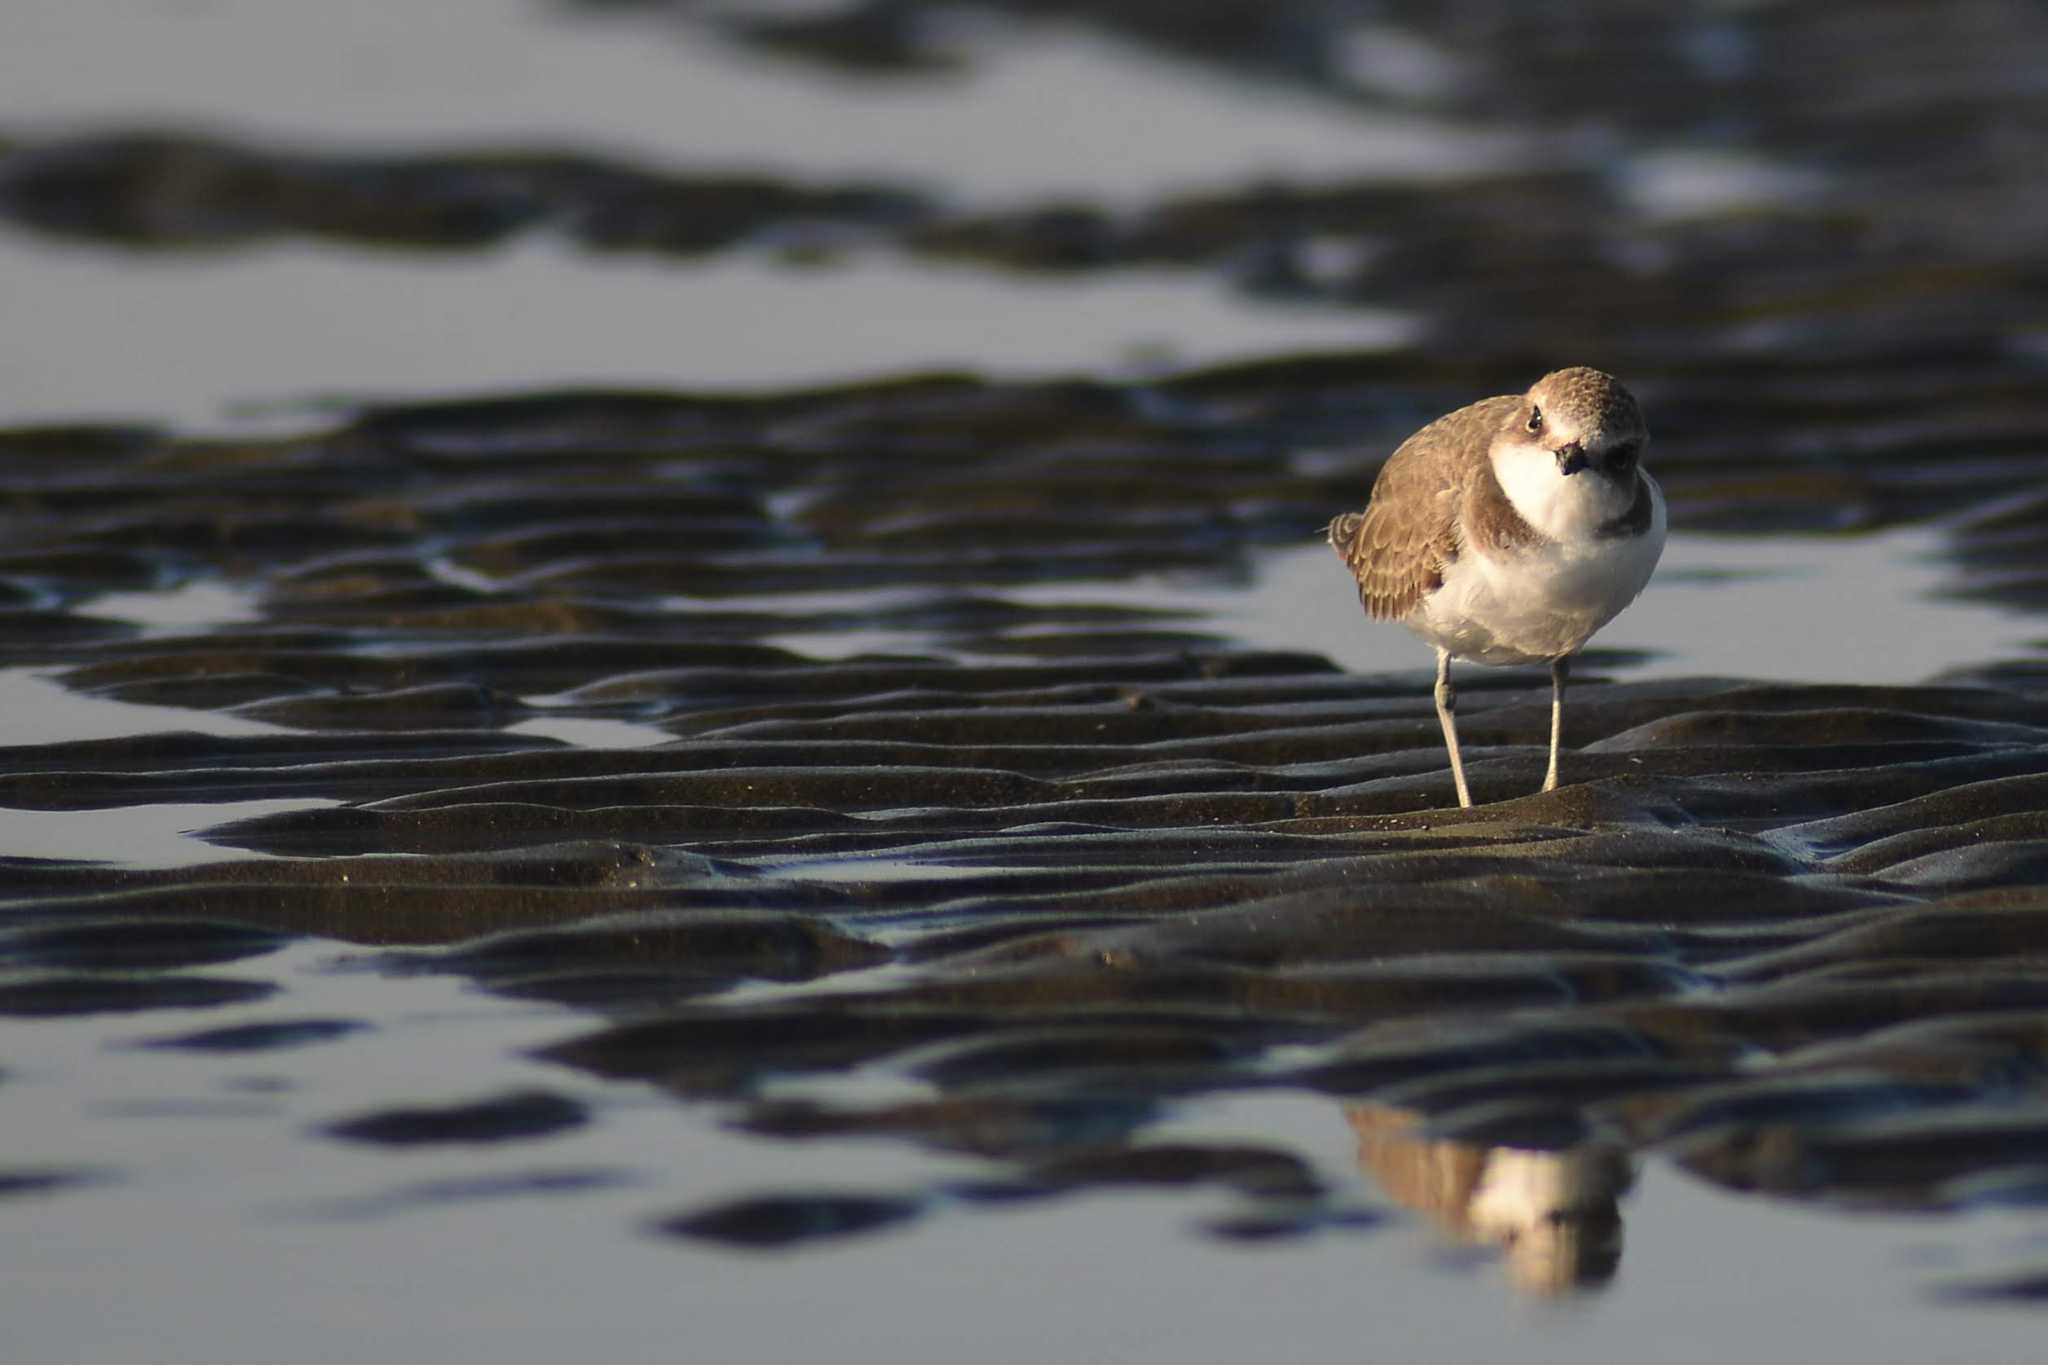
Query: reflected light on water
point(35, 709)
point(185, 607)
point(1048, 110)
point(1853, 609)
point(542, 315)
point(140, 836)
point(592, 732)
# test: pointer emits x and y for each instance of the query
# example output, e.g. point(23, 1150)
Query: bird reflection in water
point(1555, 1215)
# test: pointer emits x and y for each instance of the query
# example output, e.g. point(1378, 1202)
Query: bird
point(1509, 531)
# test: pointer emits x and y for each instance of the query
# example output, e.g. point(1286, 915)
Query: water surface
point(650, 854)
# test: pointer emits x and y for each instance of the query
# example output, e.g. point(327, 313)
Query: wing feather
point(1399, 547)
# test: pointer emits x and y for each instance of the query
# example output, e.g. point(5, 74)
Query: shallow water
point(234, 1236)
point(36, 709)
point(1030, 123)
point(941, 865)
point(155, 836)
point(1863, 608)
point(537, 315)
point(300, 1103)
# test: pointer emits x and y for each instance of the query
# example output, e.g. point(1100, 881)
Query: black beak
point(1571, 459)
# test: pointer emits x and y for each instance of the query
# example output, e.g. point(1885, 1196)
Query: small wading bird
point(1509, 531)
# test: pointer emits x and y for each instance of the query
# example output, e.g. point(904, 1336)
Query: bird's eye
point(1535, 423)
point(1624, 455)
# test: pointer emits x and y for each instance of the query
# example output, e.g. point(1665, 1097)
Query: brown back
point(1400, 545)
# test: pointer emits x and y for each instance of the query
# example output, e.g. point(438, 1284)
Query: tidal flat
point(638, 735)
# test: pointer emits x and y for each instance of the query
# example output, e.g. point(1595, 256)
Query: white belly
point(1540, 604)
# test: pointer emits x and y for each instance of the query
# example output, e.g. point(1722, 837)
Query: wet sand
point(1081, 860)
point(927, 845)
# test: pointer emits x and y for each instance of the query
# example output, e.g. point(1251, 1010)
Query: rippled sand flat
point(728, 734)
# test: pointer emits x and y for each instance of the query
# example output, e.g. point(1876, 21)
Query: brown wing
point(1400, 545)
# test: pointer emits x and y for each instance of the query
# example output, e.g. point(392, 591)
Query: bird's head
point(1568, 452)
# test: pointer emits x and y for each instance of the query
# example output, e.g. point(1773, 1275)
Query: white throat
point(1566, 508)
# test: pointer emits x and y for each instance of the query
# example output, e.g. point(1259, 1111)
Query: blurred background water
point(1809, 234)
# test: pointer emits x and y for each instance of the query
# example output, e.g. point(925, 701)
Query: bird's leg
point(1560, 669)
point(1447, 714)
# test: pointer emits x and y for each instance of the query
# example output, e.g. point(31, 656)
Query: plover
point(1509, 531)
